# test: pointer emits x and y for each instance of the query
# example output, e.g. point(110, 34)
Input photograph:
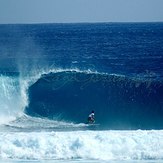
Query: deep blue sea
point(53, 75)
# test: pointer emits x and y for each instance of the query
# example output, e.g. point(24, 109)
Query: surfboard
point(93, 124)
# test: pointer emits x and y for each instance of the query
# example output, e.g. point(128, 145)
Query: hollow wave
point(119, 102)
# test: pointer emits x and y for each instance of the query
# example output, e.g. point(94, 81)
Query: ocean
point(53, 75)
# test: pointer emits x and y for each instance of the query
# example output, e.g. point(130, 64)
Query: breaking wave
point(69, 95)
point(119, 102)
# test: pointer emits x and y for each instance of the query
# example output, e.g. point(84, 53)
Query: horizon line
point(102, 22)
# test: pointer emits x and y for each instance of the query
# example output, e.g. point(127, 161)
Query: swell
point(119, 102)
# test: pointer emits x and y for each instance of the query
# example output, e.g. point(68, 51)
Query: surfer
point(91, 117)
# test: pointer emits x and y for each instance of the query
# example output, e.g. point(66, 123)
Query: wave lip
point(96, 145)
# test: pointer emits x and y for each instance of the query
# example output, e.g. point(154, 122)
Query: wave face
point(119, 102)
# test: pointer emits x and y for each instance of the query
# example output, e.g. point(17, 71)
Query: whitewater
point(86, 145)
point(53, 75)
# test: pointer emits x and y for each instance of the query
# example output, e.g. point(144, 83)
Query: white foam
point(96, 145)
point(10, 98)
point(13, 96)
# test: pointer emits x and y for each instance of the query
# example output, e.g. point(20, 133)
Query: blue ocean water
point(53, 75)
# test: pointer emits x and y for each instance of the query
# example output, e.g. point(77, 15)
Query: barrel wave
point(119, 102)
